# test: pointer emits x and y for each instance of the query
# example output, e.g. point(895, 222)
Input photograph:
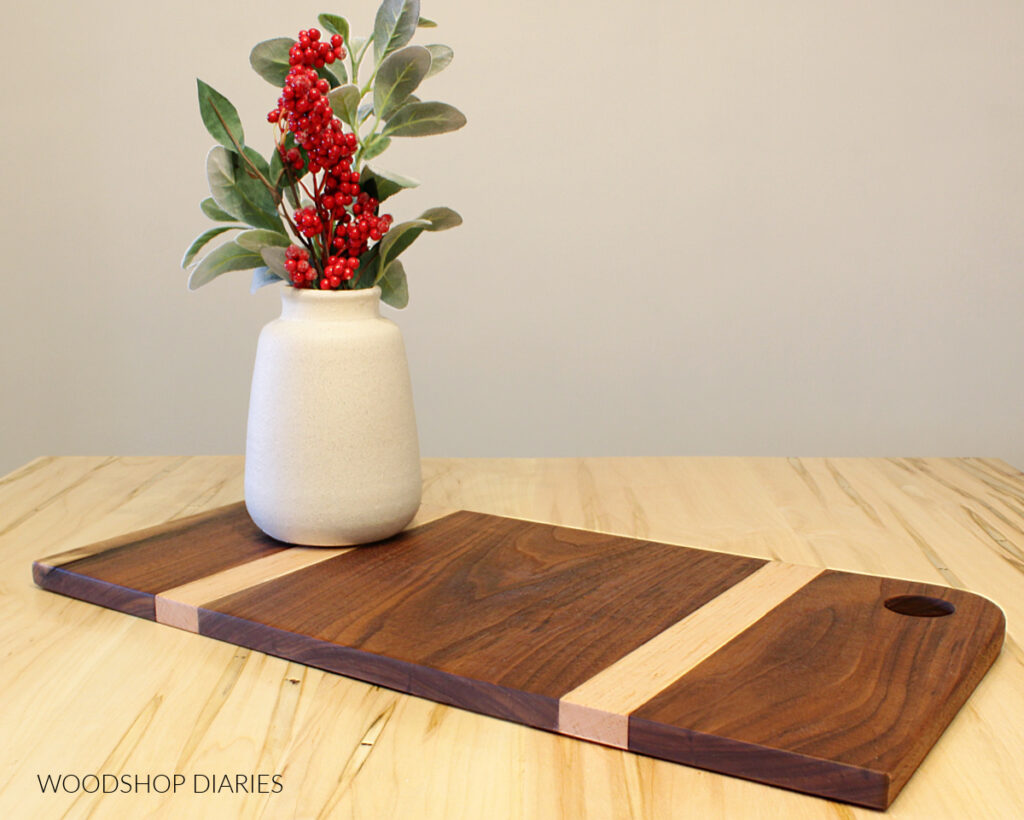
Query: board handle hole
point(920, 606)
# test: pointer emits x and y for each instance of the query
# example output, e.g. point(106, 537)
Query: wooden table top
point(90, 691)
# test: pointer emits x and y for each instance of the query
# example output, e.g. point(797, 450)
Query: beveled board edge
point(94, 591)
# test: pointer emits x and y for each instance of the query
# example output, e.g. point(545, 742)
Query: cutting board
point(826, 682)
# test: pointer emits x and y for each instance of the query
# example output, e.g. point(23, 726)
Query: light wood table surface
point(87, 690)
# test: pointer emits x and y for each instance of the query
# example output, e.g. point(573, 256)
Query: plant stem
point(284, 210)
point(241, 152)
point(356, 62)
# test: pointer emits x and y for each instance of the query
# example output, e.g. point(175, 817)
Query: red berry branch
point(342, 218)
point(311, 216)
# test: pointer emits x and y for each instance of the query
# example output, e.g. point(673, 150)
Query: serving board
point(826, 682)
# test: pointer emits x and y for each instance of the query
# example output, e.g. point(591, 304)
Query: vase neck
point(330, 305)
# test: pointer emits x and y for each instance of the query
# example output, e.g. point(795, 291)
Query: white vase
point(331, 454)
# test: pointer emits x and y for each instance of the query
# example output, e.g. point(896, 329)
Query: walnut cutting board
point(821, 681)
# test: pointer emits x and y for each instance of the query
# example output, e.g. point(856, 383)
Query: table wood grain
point(86, 690)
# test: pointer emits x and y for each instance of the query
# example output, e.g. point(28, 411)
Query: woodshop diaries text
point(255, 783)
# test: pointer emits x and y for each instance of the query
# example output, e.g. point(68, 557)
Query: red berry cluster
point(343, 218)
point(296, 262)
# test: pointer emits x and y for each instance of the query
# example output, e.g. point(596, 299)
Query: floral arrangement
point(311, 215)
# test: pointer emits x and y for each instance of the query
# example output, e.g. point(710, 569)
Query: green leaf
point(400, 237)
point(256, 158)
point(274, 259)
point(220, 117)
point(394, 287)
point(262, 277)
point(212, 210)
point(240, 195)
point(441, 219)
point(357, 46)
point(364, 112)
point(440, 57)
point(376, 146)
point(345, 104)
point(394, 26)
point(335, 24)
point(200, 243)
point(398, 76)
point(336, 71)
point(269, 59)
point(425, 23)
point(366, 273)
point(384, 184)
point(229, 256)
point(327, 73)
point(423, 119)
point(278, 175)
point(256, 240)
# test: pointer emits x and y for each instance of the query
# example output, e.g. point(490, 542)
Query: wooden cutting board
point(825, 682)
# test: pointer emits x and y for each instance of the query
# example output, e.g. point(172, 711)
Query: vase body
point(331, 454)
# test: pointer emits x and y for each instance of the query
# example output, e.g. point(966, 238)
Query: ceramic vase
point(332, 454)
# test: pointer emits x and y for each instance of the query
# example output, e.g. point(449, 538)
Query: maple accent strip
point(180, 605)
point(599, 708)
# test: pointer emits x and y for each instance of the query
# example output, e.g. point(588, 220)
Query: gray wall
point(723, 228)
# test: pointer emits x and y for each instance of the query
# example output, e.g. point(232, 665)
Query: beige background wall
point(717, 228)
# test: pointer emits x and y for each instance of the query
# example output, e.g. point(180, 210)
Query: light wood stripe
point(599, 708)
point(180, 606)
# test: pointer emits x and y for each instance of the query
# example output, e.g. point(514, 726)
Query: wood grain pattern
point(830, 656)
point(598, 708)
point(350, 749)
point(179, 606)
point(630, 643)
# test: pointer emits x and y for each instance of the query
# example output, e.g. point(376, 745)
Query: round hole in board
point(920, 606)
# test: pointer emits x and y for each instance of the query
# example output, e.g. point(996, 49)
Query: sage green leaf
point(376, 146)
point(229, 256)
point(394, 26)
point(358, 43)
point(394, 287)
point(398, 76)
point(337, 71)
point(423, 119)
point(383, 184)
point(269, 59)
point(256, 158)
point(262, 277)
point(345, 104)
point(274, 258)
point(282, 177)
point(220, 117)
point(441, 219)
point(335, 24)
point(200, 243)
point(400, 237)
point(257, 239)
point(327, 73)
point(369, 263)
point(364, 112)
point(240, 195)
point(425, 23)
point(440, 57)
point(282, 180)
point(212, 210)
